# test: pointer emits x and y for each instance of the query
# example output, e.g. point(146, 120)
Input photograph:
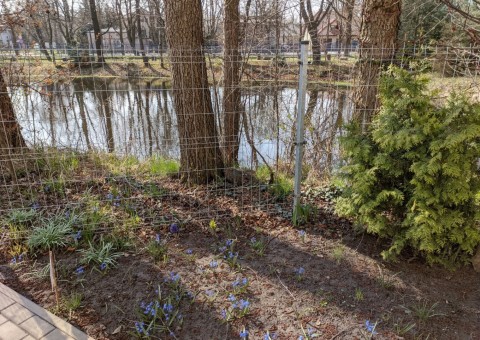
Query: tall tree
point(140, 32)
point(200, 154)
point(11, 139)
point(312, 23)
point(347, 24)
point(232, 105)
point(378, 44)
point(97, 32)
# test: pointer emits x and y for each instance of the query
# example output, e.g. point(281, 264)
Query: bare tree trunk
point(10, 136)
point(378, 44)
point(11, 139)
point(97, 32)
point(201, 159)
point(231, 74)
point(312, 22)
point(41, 41)
point(349, 6)
point(14, 41)
point(139, 33)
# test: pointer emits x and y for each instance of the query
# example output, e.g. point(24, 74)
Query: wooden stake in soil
point(53, 277)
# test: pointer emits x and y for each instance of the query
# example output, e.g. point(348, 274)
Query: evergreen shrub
point(412, 175)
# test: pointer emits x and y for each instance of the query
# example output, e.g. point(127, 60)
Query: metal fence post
point(299, 144)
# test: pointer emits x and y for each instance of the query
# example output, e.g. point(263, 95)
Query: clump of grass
point(303, 214)
point(20, 217)
point(101, 254)
point(159, 166)
point(385, 281)
point(338, 254)
point(158, 249)
point(73, 302)
point(55, 163)
point(258, 245)
point(50, 236)
point(358, 294)
point(423, 311)
point(282, 185)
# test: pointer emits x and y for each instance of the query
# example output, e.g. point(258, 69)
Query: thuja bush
point(412, 175)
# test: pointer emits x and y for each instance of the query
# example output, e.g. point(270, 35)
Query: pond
point(138, 118)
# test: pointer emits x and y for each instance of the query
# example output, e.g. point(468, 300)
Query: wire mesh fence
point(102, 141)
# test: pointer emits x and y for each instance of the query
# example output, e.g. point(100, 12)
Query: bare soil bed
point(328, 281)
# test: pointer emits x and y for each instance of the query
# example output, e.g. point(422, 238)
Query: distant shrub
point(413, 176)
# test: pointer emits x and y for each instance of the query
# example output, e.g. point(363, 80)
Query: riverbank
point(23, 70)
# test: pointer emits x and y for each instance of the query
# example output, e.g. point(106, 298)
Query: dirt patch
point(328, 281)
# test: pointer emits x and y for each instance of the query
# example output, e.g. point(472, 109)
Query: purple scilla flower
point(78, 235)
point(231, 298)
point(20, 257)
point(370, 327)
point(301, 337)
point(243, 304)
point(224, 314)
point(35, 206)
point(213, 264)
point(223, 249)
point(300, 271)
point(157, 238)
point(209, 293)
point(109, 196)
point(139, 326)
point(189, 251)
point(244, 334)
point(167, 307)
point(14, 260)
point(301, 233)
point(269, 336)
point(103, 266)
point(229, 243)
point(67, 214)
point(310, 331)
point(80, 270)
point(174, 228)
point(174, 277)
point(253, 240)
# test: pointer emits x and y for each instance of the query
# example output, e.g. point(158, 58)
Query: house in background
point(331, 35)
point(6, 37)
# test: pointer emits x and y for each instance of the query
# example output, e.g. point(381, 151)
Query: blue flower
point(300, 271)
point(35, 206)
point(109, 196)
point(243, 304)
point(370, 327)
point(173, 277)
point(14, 260)
point(167, 308)
point(231, 298)
point(310, 331)
point(103, 266)
point(223, 249)
point(209, 293)
point(174, 228)
point(189, 251)
point(269, 336)
point(139, 326)
point(301, 233)
point(229, 243)
point(244, 334)
point(80, 270)
point(157, 238)
point(253, 240)
point(224, 314)
point(300, 337)
point(213, 264)
point(78, 235)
